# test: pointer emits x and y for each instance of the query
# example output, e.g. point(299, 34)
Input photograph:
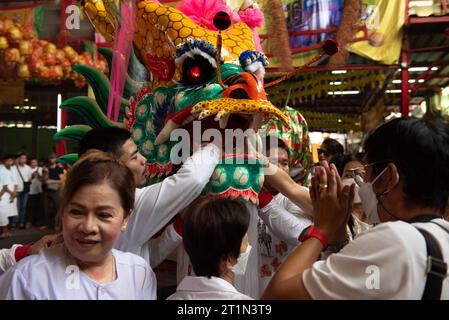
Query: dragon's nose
point(244, 86)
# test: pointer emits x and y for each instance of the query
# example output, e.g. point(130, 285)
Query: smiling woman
point(97, 200)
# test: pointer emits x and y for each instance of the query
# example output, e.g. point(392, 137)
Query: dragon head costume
point(177, 74)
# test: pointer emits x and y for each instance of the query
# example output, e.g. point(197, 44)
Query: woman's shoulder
point(46, 258)
point(130, 259)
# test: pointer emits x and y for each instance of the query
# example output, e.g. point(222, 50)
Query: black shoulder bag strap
point(20, 173)
point(436, 267)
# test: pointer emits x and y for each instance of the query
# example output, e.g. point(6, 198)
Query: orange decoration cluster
point(23, 55)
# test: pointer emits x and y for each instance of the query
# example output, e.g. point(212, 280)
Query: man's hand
point(45, 242)
point(332, 203)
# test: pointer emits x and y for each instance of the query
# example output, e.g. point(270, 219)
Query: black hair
point(7, 156)
point(279, 143)
point(420, 151)
point(348, 158)
point(213, 232)
point(336, 150)
point(107, 139)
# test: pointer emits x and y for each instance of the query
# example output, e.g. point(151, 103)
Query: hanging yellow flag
point(385, 32)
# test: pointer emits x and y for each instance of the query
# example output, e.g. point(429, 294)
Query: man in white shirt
point(281, 221)
point(155, 204)
point(35, 201)
point(23, 172)
point(404, 190)
point(8, 199)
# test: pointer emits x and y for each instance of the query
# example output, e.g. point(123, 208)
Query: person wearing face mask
point(353, 169)
point(216, 241)
point(406, 255)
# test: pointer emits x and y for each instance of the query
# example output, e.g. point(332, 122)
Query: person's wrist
point(314, 232)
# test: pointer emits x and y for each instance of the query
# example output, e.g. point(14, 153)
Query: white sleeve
point(161, 247)
point(378, 264)
point(158, 203)
point(149, 286)
point(14, 287)
point(282, 223)
point(7, 258)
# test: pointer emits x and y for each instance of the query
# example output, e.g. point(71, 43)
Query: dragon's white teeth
point(223, 121)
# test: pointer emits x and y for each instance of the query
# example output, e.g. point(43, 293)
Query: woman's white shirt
point(204, 288)
point(386, 262)
point(53, 275)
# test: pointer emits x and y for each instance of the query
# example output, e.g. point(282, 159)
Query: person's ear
point(392, 176)
point(125, 221)
point(229, 263)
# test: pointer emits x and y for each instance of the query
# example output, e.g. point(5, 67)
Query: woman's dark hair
point(336, 150)
point(213, 231)
point(420, 151)
point(106, 139)
point(96, 167)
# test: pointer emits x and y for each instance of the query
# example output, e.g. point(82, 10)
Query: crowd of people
point(30, 192)
point(370, 226)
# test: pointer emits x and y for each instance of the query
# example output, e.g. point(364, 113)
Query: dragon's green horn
point(69, 159)
point(74, 133)
point(100, 85)
point(132, 81)
point(89, 110)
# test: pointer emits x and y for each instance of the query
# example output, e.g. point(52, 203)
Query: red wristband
point(21, 252)
point(313, 232)
point(265, 197)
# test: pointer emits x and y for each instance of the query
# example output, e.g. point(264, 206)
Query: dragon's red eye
point(195, 72)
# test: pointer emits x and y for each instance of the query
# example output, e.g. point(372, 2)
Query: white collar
point(190, 283)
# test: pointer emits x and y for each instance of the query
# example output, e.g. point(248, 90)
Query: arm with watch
point(332, 204)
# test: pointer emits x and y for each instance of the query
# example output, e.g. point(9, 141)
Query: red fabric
point(265, 197)
point(179, 225)
point(314, 232)
point(21, 252)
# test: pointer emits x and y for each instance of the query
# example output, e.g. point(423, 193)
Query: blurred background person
point(333, 152)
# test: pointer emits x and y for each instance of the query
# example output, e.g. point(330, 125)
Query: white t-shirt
point(204, 288)
point(26, 172)
point(36, 183)
point(53, 275)
point(280, 224)
point(385, 262)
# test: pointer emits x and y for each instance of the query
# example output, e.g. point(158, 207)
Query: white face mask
point(349, 182)
point(242, 261)
point(369, 199)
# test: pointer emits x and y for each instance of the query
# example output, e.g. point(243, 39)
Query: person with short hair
point(281, 221)
point(405, 192)
point(23, 173)
point(8, 193)
point(96, 204)
point(216, 241)
point(52, 178)
point(34, 210)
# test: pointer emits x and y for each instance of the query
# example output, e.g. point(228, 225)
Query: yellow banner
point(385, 32)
